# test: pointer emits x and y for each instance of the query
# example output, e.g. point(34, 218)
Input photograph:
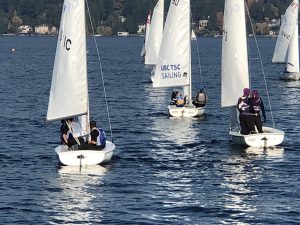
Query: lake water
point(165, 170)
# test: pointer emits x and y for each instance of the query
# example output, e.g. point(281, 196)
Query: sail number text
point(66, 41)
point(170, 71)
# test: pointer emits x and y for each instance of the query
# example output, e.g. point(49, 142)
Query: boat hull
point(289, 76)
point(84, 157)
point(270, 137)
point(186, 111)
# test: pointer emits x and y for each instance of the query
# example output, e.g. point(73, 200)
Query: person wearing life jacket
point(257, 107)
point(246, 116)
point(174, 97)
point(200, 99)
point(179, 100)
point(66, 134)
point(98, 137)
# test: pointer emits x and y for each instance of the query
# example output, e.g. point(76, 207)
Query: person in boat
point(67, 137)
point(179, 100)
point(200, 98)
point(246, 117)
point(257, 107)
point(98, 138)
point(173, 97)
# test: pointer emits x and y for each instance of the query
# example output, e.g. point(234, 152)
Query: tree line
point(108, 15)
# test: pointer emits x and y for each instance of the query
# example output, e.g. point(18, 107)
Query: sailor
point(179, 100)
point(201, 98)
point(246, 117)
point(98, 137)
point(67, 137)
point(257, 107)
point(173, 98)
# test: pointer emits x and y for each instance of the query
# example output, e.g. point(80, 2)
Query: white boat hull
point(186, 111)
point(84, 157)
point(289, 76)
point(270, 137)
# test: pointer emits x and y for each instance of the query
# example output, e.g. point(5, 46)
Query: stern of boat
point(270, 137)
point(84, 157)
point(289, 76)
point(187, 111)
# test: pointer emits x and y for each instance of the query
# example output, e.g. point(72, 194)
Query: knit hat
point(255, 94)
point(246, 91)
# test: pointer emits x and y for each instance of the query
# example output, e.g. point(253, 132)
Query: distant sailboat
point(146, 43)
point(69, 87)
point(287, 45)
point(193, 37)
point(235, 75)
point(173, 68)
point(155, 36)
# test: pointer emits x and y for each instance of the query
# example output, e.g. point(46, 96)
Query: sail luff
point(68, 93)
point(235, 74)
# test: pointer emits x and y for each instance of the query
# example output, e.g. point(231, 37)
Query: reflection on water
point(275, 152)
point(74, 202)
point(241, 174)
point(179, 131)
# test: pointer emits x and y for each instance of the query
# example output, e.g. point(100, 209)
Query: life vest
point(101, 139)
point(243, 105)
point(256, 103)
point(201, 98)
point(180, 102)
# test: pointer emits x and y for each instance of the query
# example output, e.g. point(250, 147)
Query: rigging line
point(198, 54)
point(261, 63)
point(101, 70)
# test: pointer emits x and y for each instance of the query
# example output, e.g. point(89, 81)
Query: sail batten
point(173, 67)
point(235, 74)
point(69, 89)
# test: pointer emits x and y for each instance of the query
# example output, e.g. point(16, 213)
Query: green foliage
point(106, 13)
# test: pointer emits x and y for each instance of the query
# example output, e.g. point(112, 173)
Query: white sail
point(235, 75)
point(193, 35)
point(69, 93)
point(173, 67)
point(148, 26)
point(155, 35)
point(289, 25)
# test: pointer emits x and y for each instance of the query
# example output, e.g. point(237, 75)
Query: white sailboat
point(69, 87)
point(193, 37)
point(155, 36)
point(173, 68)
point(146, 42)
point(235, 75)
point(287, 45)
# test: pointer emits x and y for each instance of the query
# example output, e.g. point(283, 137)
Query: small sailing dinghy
point(155, 37)
point(287, 45)
point(173, 68)
point(69, 87)
point(235, 75)
point(145, 44)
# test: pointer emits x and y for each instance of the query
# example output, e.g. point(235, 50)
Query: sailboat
point(145, 45)
point(173, 68)
point(155, 36)
point(69, 88)
point(193, 37)
point(287, 45)
point(235, 75)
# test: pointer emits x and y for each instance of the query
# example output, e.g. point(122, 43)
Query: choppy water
point(165, 171)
